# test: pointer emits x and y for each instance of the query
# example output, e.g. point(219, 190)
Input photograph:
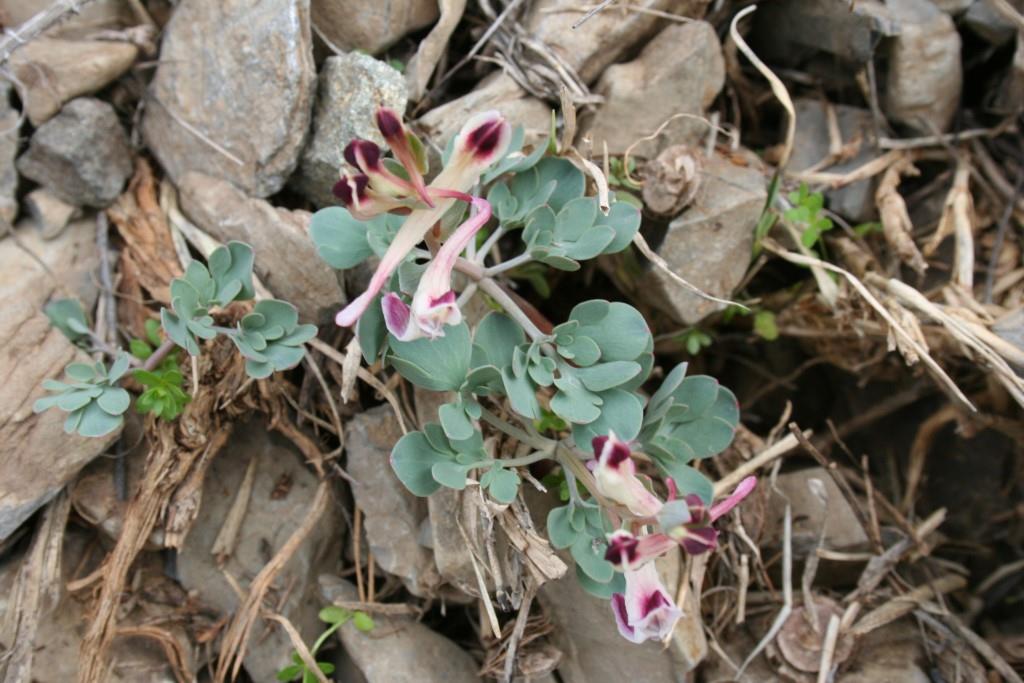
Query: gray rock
point(855, 202)
point(55, 70)
point(1010, 328)
point(1009, 98)
point(393, 515)
point(81, 155)
point(8, 151)
point(849, 31)
point(351, 87)
point(281, 494)
point(36, 457)
point(370, 25)
point(49, 213)
point(680, 71)
point(240, 74)
point(709, 245)
point(286, 259)
point(924, 77)
point(985, 20)
point(398, 649)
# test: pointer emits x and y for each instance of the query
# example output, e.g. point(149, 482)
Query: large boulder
point(370, 25)
point(234, 91)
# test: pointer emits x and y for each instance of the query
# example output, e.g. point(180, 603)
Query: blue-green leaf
point(340, 239)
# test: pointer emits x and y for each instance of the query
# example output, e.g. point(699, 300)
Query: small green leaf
point(502, 483)
point(437, 364)
point(114, 400)
point(68, 316)
point(457, 425)
point(363, 621)
point(332, 614)
point(412, 459)
point(600, 590)
point(765, 326)
point(560, 530)
point(589, 556)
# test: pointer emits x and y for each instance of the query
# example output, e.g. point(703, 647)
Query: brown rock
point(92, 17)
point(240, 74)
point(36, 457)
point(49, 213)
point(286, 258)
point(370, 25)
point(55, 71)
point(681, 71)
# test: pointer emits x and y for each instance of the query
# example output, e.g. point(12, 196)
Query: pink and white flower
point(626, 551)
point(433, 304)
point(615, 475)
point(482, 140)
point(646, 610)
point(692, 528)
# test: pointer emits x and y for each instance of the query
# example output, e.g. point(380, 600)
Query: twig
point(15, 38)
point(997, 245)
point(594, 10)
point(776, 450)
point(787, 591)
point(517, 632)
point(778, 88)
point(109, 323)
point(982, 648)
point(828, 650)
point(300, 646)
point(663, 266)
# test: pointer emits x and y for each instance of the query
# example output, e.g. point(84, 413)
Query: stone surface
point(848, 31)
point(984, 19)
point(1009, 98)
point(499, 92)
point(370, 25)
point(49, 213)
point(393, 516)
point(91, 18)
point(709, 244)
point(604, 38)
point(399, 649)
point(60, 631)
point(842, 530)
point(36, 457)
point(924, 77)
point(54, 71)
point(8, 151)
point(854, 202)
point(351, 87)
point(286, 259)
point(239, 73)
point(81, 155)
point(681, 71)
point(281, 494)
point(1010, 328)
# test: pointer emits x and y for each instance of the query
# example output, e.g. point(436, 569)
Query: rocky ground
point(877, 358)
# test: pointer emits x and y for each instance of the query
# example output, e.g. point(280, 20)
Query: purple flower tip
point(389, 123)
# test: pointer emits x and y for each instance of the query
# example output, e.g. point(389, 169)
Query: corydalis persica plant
point(578, 394)
point(269, 337)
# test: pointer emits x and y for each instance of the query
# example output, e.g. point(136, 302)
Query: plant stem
point(494, 290)
point(489, 243)
point(166, 346)
point(538, 442)
point(515, 262)
point(536, 456)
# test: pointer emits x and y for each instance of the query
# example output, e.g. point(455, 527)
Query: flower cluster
point(646, 610)
point(396, 186)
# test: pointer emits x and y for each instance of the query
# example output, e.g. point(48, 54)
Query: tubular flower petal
point(697, 535)
point(391, 127)
point(365, 155)
point(626, 551)
point(645, 610)
point(615, 475)
point(457, 177)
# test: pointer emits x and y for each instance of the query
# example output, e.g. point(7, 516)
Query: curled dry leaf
point(893, 213)
point(672, 179)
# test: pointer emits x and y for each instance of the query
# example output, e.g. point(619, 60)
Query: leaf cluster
point(582, 527)
point(94, 403)
point(806, 212)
